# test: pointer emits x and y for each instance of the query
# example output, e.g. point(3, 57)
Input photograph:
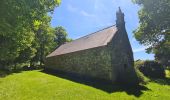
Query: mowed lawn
point(36, 85)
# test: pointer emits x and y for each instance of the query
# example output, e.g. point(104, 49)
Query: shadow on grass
point(165, 81)
point(99, 84)
point(4, 73)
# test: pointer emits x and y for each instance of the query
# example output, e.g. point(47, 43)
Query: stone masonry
point(105, 54)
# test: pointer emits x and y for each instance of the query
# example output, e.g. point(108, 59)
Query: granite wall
point(95, 62)
point(113, 62)
point(122, 59)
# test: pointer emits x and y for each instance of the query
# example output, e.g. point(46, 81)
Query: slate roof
point(96, 39)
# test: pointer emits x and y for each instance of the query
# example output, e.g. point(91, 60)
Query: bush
point(37, 67)
point(150, 69)
point(167, 68)
point(167, 73)
point(142, 79)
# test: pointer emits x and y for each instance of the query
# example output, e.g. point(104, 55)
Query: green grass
point(36, 85)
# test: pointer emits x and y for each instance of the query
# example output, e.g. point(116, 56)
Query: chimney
point(120, 22)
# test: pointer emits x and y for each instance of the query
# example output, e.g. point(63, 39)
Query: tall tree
point(18, 22)
point(154, 29)
point(61, 35)
point(44, 40)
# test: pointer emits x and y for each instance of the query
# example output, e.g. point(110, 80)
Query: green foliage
point(150, 69)
point(143, 80)
point(138, 63)
point(25, 55)
point(162, 52)
point(44, 40)
point(154, 29)
point(61, 35)
point(69, 40)
point(19, 22)
point(47, 39)
point(167, 73)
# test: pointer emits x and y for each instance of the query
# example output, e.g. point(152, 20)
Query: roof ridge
point(96, 32)
point(95, 39)
point(90, 34)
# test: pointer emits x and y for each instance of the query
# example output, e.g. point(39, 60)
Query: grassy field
point(37, 85)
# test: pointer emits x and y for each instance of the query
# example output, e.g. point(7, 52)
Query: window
point(125, 66)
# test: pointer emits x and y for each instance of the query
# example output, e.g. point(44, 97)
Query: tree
point(61, 35)
point(18, 22)
point(47, 39)
point(44, 42)
point(154, 29)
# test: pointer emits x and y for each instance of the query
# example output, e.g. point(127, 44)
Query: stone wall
point(113, 62)
point(95, 62)
point(122, 59)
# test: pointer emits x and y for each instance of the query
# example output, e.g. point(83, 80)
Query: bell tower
point(120, 22)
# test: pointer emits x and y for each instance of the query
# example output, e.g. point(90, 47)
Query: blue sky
point(81, 17)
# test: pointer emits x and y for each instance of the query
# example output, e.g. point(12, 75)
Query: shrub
point(142, 79)
point(150, 69)
point(167, 68)
point(167, 73)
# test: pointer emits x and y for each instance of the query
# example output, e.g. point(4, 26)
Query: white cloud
point(84, 13)
point(143, 48)
point(139, 49)
point(74, 9)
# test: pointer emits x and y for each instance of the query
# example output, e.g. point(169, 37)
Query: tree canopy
point(154, 29)
point(23, 26)
point(61, 35)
